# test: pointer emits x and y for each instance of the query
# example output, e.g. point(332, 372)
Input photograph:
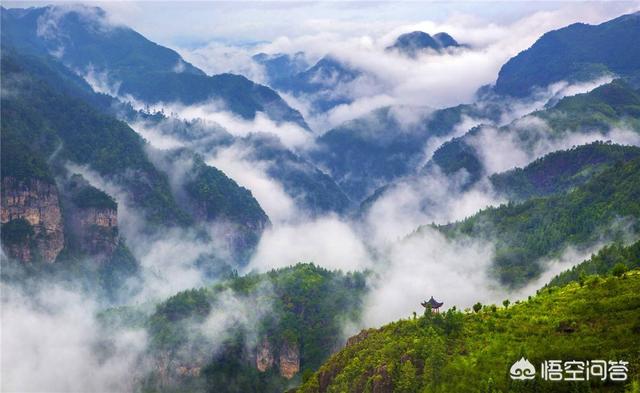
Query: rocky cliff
point(264, 356)
point(288, 358)
point(31, 220)
point(92, 217)
point(97, 229)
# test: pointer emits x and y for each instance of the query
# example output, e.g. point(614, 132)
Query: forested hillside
point(602, 110)
point(615, 259)
point(561, 171)
point(576, 52)
point(283, 325)
point(523, 233)
point(472, 351)
point(133, 65)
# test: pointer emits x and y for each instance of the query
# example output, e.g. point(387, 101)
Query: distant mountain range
point(325, 83)
point(320, 84)
point(74, 170)
point(128, 64)
point(599, 111)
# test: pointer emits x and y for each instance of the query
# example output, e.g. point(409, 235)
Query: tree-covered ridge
point(561, 171)
point(577, 52)
point(610, 106)
point(370, 151)
point(615, 104)
point(473, 351)
point(222, 198)
point(614, 258)
point(19, 161)
point(524, 233)
point(132, 65)
point(83, 195)
point(53, 125)
point(315, 191)
point(304, 305)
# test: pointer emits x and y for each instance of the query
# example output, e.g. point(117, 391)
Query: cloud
point(52, 342)
point(218, 58)
point(434, 79)
point(234, 161)
point(327, 241)
point(214, 112)
point(99, 81)
point(517, 149)
point(427, 265)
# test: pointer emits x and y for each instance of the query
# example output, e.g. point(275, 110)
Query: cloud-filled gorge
point(376, 165)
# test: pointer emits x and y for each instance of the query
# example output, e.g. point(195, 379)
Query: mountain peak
point(445, 40)
point(411, 44)
point(575, 53)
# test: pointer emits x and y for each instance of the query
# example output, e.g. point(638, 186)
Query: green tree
point(407, 382)
point(477, 307)
point(506, 303)
point(619, 269)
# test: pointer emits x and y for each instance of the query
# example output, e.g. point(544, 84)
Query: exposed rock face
point(36, 202)
point(289, 360)
point(189, 371)
point(353, 340)
point(97, 229)
point(264, 356)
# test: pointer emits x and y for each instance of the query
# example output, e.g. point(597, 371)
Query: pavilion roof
point(432, 302)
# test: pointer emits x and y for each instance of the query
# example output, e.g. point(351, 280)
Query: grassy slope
point(472, 352)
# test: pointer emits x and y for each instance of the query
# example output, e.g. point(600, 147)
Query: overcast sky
point(188, 24)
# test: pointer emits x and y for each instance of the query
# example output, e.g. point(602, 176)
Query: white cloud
point(52, 342)
point(292, 135)
point(327, 241)
point(218, 58)
point(234, 162)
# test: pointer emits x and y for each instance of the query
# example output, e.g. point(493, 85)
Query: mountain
point(122, 62)
point(474, 351)
point(322, 85)
point(614, 258)
point(578, 52)
point(293, 323)
point(281, 67)
point(370, 151)
point(45, 130)
point(523, 234)
point(445, 40)
point(312, 190)
point(42, 120)
point(561, 171)
point(414, 43)
point(610, 106)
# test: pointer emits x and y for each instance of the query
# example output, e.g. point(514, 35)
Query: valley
point(258, 212)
